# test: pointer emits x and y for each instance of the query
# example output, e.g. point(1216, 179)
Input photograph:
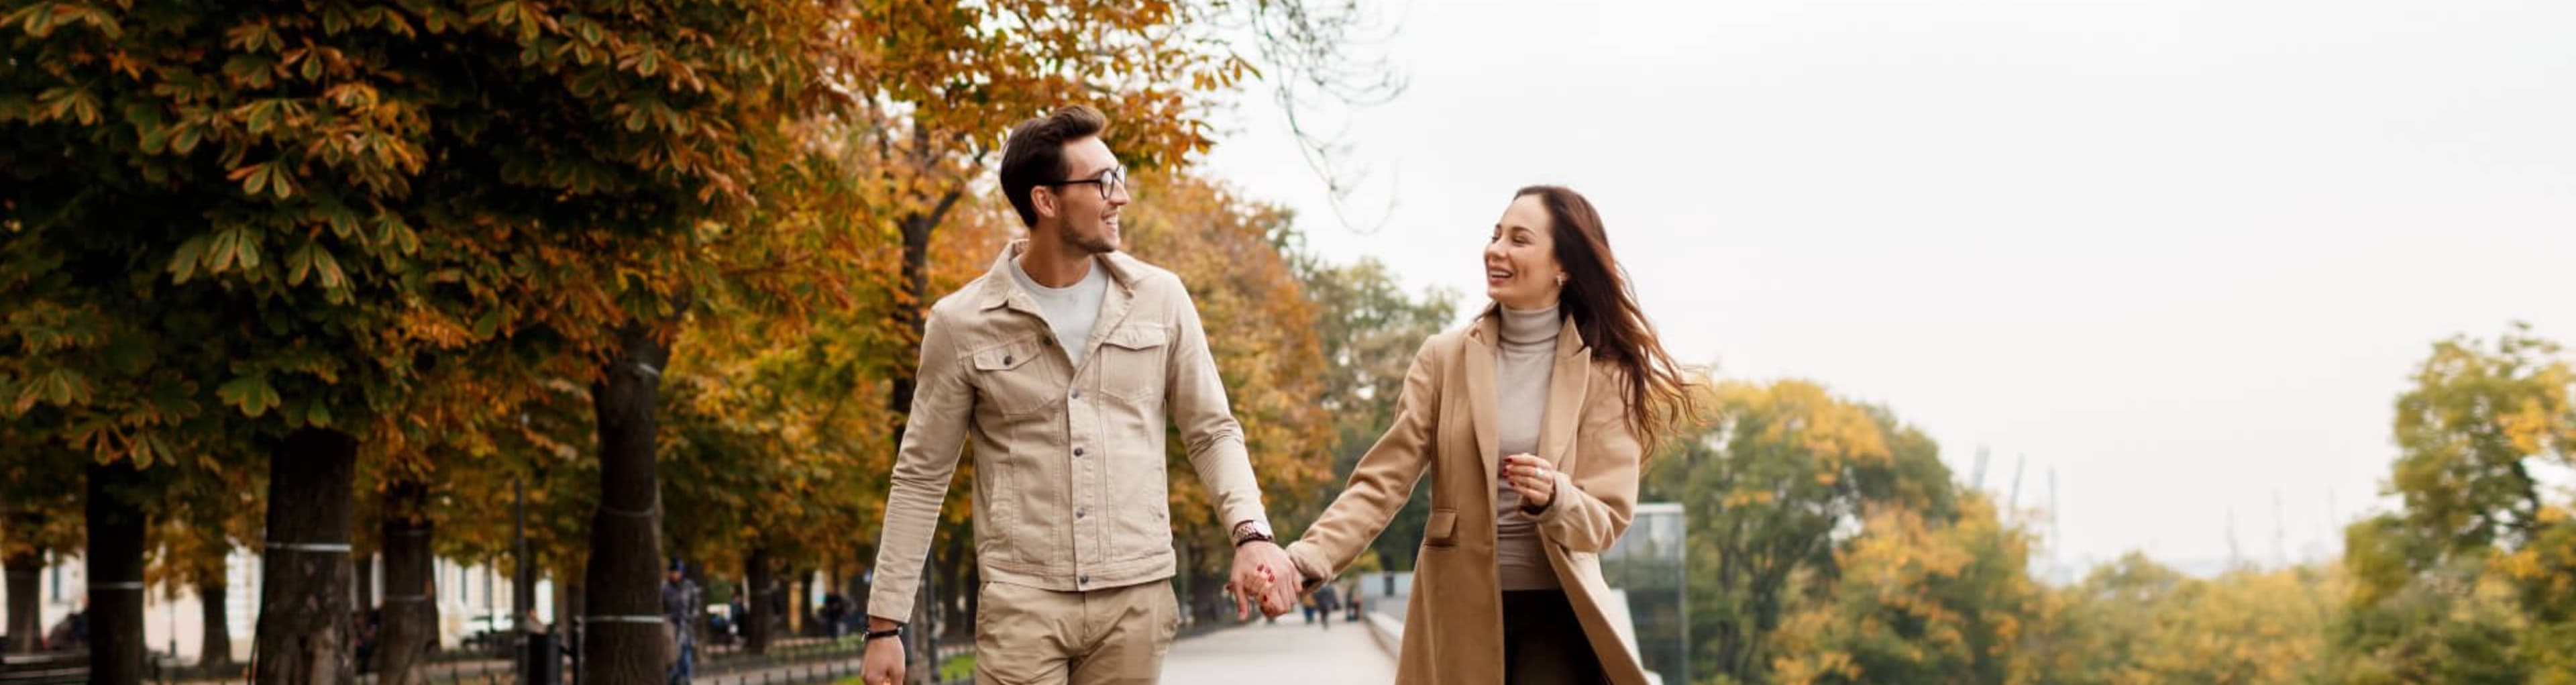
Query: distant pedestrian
point(835, 611)
point(72, 634)
point(1351, 599)
point(1327, 601)
point(681, 604)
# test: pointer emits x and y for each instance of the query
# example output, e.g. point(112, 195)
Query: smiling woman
point(1594, 292)
point(1531, 425)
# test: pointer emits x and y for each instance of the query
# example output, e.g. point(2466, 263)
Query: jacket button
point(1077, 393)
point(1077, 513)
point(1082, 579)
point(1077, 451)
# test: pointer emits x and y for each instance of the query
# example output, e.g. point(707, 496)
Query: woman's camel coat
point(1445, 424)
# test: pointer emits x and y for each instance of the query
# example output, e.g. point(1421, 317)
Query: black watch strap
point(889, 632)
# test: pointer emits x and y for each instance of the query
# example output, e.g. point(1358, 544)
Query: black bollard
point(539, 663)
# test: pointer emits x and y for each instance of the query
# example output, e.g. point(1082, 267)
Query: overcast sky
point(2184, 253)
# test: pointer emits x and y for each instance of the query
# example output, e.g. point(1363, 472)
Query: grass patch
point(958, 668)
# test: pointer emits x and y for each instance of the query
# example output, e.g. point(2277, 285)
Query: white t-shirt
point(1070, 310)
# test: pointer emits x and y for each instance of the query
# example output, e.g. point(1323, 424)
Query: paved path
point(1290, 651)
point(814, 672)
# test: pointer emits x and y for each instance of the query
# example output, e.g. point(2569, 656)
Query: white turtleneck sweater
point(1524, 360)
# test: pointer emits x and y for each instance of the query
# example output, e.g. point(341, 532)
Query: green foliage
point(2471, 580)
point(1782, 477)
point(2450, 624)
point(1370, 329)
point(1268, 350)
point(1919, 600)
point(297, 208)
point(2134, 621)
point(417, 222)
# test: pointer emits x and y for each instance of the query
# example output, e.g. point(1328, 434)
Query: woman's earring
point(1560, 280)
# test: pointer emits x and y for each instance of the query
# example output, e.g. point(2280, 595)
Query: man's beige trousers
point(1028, 636)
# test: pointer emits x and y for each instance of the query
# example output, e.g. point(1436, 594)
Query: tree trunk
point(919, 666)
point(568, 632)
point(624, 638)
point(304, 574)
point(362, 578)
point(26, 569)
point(758, 620)
point(956, 566)
point(567, 605)
point(215, 647)
point(410, 627)
point(115, 575)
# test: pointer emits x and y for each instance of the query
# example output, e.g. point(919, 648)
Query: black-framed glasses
point(1111, 181)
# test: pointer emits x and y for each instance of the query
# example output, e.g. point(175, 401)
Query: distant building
point(1648, 565)
point(470, 599)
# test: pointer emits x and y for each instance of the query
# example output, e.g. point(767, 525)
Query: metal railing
point(792, 661)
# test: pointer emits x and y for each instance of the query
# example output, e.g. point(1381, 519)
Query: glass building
point(1646, 564)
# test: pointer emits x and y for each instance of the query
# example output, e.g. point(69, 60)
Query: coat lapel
point(1480, 395)
point(1567, 380)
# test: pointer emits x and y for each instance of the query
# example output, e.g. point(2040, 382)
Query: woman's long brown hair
point(1604, 309)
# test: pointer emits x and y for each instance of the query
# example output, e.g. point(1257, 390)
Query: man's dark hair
point(1034, 155)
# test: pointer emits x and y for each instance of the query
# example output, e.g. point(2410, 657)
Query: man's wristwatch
point(889, 632)
point(1252, 531)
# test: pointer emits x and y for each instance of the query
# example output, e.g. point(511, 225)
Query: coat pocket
point(1442, 529)
point(1012, 377)
point(1132, 363)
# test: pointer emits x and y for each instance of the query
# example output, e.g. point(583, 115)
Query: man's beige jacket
point(1069, 462)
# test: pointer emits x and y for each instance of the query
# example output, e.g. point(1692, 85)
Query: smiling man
point(1061, 366)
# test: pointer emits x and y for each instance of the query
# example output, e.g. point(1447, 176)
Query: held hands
point(883, 662)
point(1263, 574)
point(1531, 477)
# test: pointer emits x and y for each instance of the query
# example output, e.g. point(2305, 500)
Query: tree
point(1229, 254)
point(286, 213)
point(939, 83)
point(115, 522)
point(1920, 600)
point(1370, 329)
point(2453, 623)
point(776, 451)
point(203, 517)
point(2134, 621)
point(2474, 519)
point(40, 512)
point(1773, 485)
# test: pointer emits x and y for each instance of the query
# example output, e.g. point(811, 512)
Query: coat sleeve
point(1596, 500)
point(1381, 482)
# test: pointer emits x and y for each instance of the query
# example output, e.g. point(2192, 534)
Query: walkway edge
point(1389, 633)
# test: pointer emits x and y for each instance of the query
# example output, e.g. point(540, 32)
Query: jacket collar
point(1000, 288)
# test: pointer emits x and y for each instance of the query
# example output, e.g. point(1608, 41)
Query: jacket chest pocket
point(1132, 363)
point(1015, 378)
